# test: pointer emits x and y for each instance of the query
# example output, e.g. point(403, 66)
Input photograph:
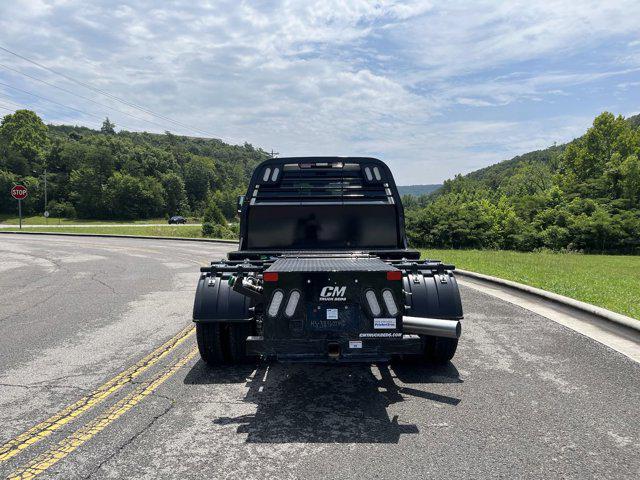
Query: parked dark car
point(177, 220)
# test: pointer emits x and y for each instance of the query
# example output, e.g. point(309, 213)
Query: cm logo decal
point(334, 294)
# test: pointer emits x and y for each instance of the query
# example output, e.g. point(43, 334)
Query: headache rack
point(322, 203)
point(321, 183)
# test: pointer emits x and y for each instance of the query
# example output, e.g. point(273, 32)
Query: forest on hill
point(582, 196)
point(124, 175)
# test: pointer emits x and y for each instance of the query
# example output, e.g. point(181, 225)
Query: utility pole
point(274, 154)
point(46, 213)
point(45, 191)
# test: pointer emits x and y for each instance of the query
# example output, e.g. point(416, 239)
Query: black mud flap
point(216, 302)
point(434, 295)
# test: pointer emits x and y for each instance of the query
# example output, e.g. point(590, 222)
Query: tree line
point(584, 196)
point(125, 175)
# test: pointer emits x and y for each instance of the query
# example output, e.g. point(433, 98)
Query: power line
point(81, 96)
point(56, 103)
point(107, 94)
point(8, 99)
point(22, 105)
point(49, 100)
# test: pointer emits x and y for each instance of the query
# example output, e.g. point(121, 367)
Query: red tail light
point(394, 275)
point(270, 276)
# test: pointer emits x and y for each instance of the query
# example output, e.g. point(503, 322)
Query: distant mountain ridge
point(417, 190)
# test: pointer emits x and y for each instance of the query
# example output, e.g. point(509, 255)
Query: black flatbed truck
point(323, 273)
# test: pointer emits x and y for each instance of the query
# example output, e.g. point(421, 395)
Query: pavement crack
point(165, 397)
point(15, 385)
point(30, 307)
point(133, 438)
point(104, 284)
point(42, 386)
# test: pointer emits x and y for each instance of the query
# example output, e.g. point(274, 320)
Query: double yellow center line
point(84, 434)
point(47, 427)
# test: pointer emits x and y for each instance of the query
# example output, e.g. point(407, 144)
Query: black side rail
point(236, 266)
point(415, 267)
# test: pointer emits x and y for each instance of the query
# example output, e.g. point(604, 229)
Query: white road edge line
point(617, 337)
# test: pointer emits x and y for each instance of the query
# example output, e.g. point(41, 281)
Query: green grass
point(609, 281)
point(187, 231)
point(40, 220)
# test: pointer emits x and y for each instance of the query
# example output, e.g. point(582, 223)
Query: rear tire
point(439, 349)
point(234, 342)
point(209, 343)
point(223, 343)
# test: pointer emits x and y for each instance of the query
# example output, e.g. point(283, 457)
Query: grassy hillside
point(609, 281)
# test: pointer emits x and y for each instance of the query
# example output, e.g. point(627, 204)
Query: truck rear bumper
point(338, 350)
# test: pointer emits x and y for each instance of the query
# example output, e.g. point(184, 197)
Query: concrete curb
point(113, 235)
point(554, 297)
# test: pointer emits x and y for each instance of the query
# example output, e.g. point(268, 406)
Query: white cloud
point(332, 77)
point(474, 102)
point(463, 37)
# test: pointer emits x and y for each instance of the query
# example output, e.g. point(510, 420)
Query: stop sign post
point(19, 192)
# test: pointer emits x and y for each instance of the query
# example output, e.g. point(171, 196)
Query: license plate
point(324, 318)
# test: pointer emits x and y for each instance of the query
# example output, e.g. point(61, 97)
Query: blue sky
point(433, 88)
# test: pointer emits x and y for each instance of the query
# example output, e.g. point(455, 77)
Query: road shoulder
point(617, 337)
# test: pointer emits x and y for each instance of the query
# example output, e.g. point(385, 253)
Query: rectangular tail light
point(394, 275)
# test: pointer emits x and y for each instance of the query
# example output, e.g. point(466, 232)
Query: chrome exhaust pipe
point(436, 327)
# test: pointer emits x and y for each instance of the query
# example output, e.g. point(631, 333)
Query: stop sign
point(19, 192)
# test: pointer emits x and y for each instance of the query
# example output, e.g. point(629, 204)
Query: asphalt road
point(524, 397)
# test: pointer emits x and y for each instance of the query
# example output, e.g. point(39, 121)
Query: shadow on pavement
point(326, 403)
point(414, 372)
point(201, 374)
